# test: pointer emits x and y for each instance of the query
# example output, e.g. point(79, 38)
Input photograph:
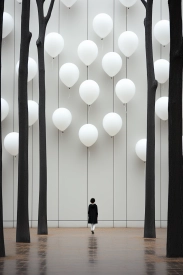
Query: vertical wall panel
point(72, 154)
point(100, 172)
point(33, 94)
point(156, 55)
point(164, 131)
point(137, 112)
point(52, 135)
point(7, 88)
point(18, 11)
point(120, 140)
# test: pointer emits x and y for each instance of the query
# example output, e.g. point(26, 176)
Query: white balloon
point(19, 1)
point(161, 68)
point(102, 24)
point(69, 74)
point(125, 90)
point(68, 3)
point(128, 3)
point(89, 91)
point(112, 123)
point(32, 68)
point(54, 44)
point(62, 118)
point(140, 149)
point(88, 134)
point(11, 143)
point(32, 111)
point(128, 42)
point(161, 108)
point(4, 109)
point(7, 24)
point(87, 52)
point(162, 32)
point(112, 63)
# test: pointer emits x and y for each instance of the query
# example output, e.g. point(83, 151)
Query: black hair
point(92, 200)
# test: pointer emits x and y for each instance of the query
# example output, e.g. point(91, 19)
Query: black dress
point(92, 213)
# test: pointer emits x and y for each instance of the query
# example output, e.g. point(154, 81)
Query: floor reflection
point(22, 260)
point(2, 266)
point(149, 254)
point(42, 253)
point(92, 249)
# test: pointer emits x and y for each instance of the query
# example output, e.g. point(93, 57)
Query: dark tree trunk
point(2, 248)
point(175, 198)
point(149, 225)
point(23, 234)
point(42, 212)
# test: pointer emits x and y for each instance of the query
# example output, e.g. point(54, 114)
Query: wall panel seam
point(126, 131)
point(160, 119)
point(14, 116)
point(58, 130)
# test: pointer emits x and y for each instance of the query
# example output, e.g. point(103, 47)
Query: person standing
point(92, 214)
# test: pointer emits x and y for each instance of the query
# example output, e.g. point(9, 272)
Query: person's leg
point(93, 226)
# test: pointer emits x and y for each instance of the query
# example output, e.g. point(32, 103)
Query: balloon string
point(66, 18)
point(125, 108)
point(69, 95)
point(162, 89)
point(89, 108)
point(52, 63)
point(88, 153)
point(102, 44)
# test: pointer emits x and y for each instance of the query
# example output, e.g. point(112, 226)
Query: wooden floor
point(117, 251)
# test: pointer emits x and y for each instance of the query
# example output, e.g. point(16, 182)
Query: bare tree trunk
point(23, 234)
point(149, 226)
point(42, 212)
point(175, 198)
point(2, 248)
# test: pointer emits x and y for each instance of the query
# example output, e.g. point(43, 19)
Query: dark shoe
point(92, 232)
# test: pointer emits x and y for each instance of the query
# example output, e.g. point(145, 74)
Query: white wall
point(110, 171)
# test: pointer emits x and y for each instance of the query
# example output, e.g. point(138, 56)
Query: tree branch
point(38, 42)
point(47, 17)
point(155, 85)
point(144, 3)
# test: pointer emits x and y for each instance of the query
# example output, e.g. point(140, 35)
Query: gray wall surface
point(110, 170)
